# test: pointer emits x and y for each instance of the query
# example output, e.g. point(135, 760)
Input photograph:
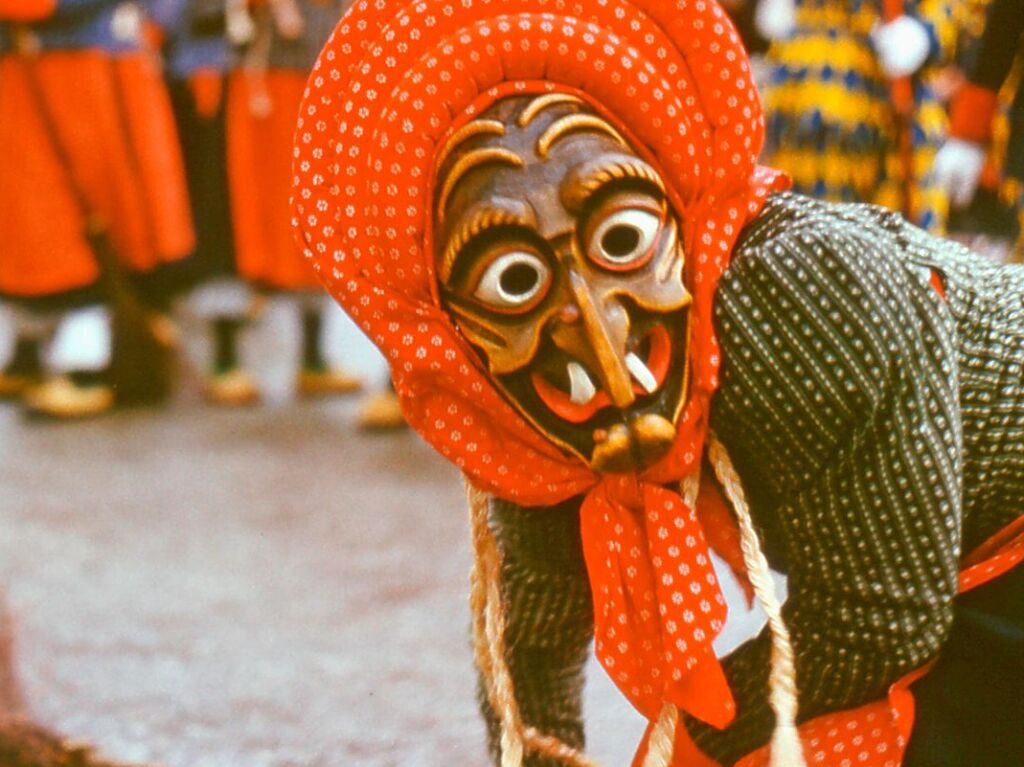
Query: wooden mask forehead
point(525, 128)
point(514, 133)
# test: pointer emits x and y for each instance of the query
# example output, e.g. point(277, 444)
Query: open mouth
point(572, 393)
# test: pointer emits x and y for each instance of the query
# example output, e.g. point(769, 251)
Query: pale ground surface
point(250, 589)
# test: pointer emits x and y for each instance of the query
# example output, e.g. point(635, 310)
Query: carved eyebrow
point(468, 162)
point(541, 103)
point(468, 131)
point(587, 178)
point(479, 218)
point(573, 124)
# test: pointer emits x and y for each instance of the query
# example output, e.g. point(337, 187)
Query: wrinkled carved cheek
point(506, 347)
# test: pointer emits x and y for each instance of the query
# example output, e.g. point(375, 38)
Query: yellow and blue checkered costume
point(831, 123)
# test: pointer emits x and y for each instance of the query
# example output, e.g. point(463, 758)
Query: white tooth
point(581, 387)
point(641, 373)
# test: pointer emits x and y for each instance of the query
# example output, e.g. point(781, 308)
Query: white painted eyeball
point(625, 238)
point(513, 280)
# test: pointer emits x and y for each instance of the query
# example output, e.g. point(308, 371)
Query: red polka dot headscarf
point(395, 80)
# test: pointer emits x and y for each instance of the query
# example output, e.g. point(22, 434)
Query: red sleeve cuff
point(26, 10)
point(972, 113)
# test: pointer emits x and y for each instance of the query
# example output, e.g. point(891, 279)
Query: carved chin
point(640, 443)
point(565, 400)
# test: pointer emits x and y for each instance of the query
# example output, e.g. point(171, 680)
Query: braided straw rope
point(489, 621)
point(661, 744)
point(786, 750)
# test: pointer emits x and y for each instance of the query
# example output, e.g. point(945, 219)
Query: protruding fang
point(581, 388)
point(641, 373)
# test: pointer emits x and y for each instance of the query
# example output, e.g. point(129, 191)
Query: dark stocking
point(26, 359)
point(312, 328)
point(225, 343)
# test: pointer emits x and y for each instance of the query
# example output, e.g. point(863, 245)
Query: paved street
point(256, 588)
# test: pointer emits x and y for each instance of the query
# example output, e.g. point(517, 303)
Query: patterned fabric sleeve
point(550, 619)
point(839, 406)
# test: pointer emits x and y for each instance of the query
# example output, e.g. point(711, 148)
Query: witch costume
point(550, 218)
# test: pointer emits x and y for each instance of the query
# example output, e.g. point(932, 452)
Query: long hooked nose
point(612, 367)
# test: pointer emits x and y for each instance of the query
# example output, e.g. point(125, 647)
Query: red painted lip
point(658, 359)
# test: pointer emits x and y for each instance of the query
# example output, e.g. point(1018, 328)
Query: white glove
point(902, 46)
point(957, 169)
point(126, 23)
point(775, 19)
point(241, 29)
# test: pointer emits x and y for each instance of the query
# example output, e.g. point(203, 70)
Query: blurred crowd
point(145, 153)
point(911, 104)
point(145, 150)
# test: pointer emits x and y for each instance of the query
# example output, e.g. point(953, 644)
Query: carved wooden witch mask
point(559, 258)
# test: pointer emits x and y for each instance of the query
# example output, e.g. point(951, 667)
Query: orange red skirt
point(26, 10)
point(114, 122)
point(156, 149)
point(261, 115)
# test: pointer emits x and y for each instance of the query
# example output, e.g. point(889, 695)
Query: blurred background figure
point(93, 205)
point(850, 100)
point(276, 44)
point(196, 64)
point(981, 165)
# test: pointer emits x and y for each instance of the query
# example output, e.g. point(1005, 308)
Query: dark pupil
point(620, 241)
point(519, 279)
